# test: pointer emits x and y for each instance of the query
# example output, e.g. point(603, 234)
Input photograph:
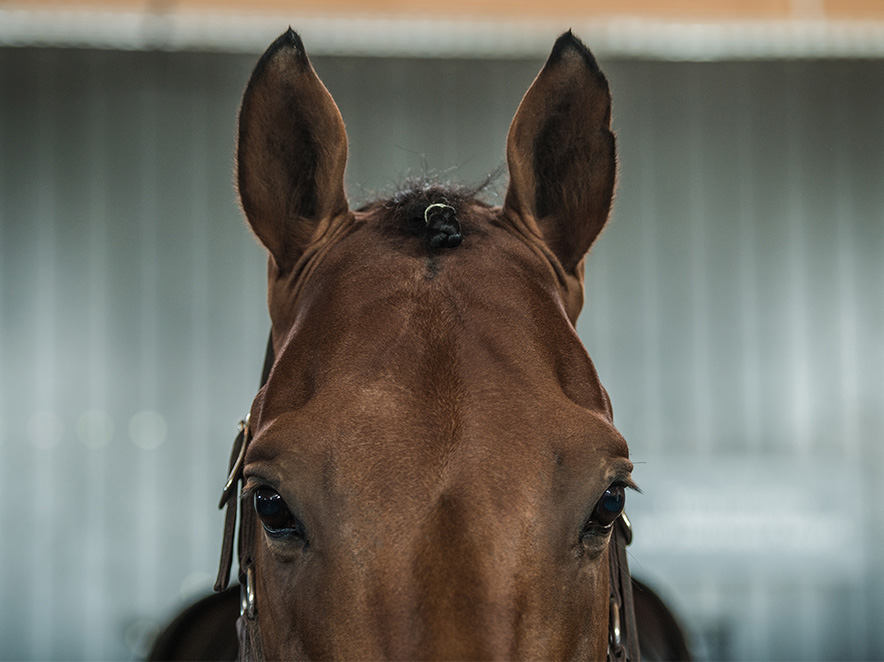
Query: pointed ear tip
point(294, 39)
point(568, 42)
point(287, 41)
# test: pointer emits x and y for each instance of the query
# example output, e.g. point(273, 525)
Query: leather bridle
point(622, 632)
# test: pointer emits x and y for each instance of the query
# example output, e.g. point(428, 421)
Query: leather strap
point(230, 495)
point(622, 632)
point(249, 640)
point(230, 498)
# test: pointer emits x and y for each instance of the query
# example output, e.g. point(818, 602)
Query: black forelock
point(405, 210)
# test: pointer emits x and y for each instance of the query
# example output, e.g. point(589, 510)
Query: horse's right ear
point(291, 152)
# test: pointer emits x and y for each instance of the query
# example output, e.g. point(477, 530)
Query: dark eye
point(610, 505)
point(608, 509)
point(275, 515)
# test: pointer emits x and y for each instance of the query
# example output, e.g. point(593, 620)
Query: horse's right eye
point(275, 515)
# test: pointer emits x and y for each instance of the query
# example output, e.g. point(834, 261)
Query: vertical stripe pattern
point(734, 311)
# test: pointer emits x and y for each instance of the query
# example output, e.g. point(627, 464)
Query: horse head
point(431, 470)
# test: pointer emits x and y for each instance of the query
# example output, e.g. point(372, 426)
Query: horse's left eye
point(275, 514)
point(610, 505)
point(607, 509)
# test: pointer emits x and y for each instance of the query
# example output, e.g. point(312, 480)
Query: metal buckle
point(627, 528)
point(614, 628)
point(235, 471)
point(247, 602)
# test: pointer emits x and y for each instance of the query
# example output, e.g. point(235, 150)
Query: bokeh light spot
point(148, 429)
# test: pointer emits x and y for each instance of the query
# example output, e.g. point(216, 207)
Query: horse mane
point(434, 210)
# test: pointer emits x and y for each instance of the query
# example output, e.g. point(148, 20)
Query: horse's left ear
point(561, 155)
point(291, 152)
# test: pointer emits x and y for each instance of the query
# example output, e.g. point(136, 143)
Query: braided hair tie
point(442, 227)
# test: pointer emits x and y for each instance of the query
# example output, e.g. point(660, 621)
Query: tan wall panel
point(854, 8)
point(467, 8)
point(675, 9)
point(512, 8)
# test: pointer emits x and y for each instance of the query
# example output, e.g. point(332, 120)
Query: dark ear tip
point(288, 40)
point(294, 40)
point(569, 43)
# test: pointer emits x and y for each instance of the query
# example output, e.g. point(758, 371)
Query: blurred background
point(735, 305)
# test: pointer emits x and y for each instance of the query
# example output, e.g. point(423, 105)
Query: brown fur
point(206, 630)
point(432, 417)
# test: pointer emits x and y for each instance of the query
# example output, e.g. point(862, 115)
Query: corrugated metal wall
point(736, 316)
point(734, 311)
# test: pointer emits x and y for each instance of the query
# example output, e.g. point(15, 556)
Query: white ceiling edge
point(440, 37)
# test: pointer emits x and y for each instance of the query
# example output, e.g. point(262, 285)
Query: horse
point(430, 469)
point(207, 629)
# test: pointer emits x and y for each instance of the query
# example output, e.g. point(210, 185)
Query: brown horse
point(207, 629)
point(431, 470)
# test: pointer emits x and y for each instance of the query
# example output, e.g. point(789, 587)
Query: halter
point(622, 632)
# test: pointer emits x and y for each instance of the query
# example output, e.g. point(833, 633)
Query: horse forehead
point(377, 298)
point(386, 442)
point(421, 357)
point(377, 281)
